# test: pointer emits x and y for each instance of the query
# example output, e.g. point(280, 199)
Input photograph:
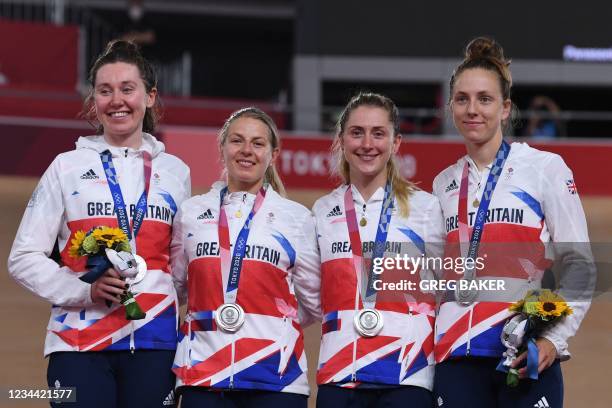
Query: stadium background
point(300, 60)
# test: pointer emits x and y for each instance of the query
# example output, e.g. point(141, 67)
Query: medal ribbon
point(481, 214)
point(379, 244)
point(231, 264)
point(120, 207)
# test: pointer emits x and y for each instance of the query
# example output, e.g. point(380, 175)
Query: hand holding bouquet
point(539, 310)
point(105, 248)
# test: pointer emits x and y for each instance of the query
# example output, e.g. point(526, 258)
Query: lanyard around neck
point(481, 213)
point(231, 264)
point(379, 245)
point(119, 203)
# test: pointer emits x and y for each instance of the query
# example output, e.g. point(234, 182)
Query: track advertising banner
point(306, 162)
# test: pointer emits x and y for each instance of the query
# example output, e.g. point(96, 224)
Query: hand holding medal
point(116, 239)
point(109, 248)
point(132, 268)
point(537, 311)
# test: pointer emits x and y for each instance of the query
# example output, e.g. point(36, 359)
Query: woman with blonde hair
point(245, 261)
point(377, 345)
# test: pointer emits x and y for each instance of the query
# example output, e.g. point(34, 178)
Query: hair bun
point(121, 46)
point(485, 48)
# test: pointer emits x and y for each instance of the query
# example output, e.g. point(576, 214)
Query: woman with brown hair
point(511, 200)
point(120, 177)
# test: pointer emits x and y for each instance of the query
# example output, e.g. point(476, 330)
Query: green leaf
point(512, 379)
point(132, 308)
point(530, 308)
point(90, 245)
point(123, 246)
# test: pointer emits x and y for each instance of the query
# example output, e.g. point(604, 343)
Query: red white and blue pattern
point(267, 352)
point(67, 203)
point(402, 353)
point(527, 210)
point(571, 187)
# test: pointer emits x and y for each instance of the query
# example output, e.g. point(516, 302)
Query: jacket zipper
point(354, 373)
point(231, 383)
point(132, 342)
point(469, 333)
point(354, 367)
point(188, 320)
point(132, 347)
point(233, 357)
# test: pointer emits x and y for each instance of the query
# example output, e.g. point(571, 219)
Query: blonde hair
point(271, 176)
point(402, 188)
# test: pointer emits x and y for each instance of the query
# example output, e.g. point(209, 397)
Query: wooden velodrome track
point(24, 317)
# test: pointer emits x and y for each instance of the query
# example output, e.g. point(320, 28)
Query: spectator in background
point(3, 78)
point(544, 122)
point(137, 30)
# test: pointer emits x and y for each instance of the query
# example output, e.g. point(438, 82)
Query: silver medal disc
point(465, 297)
point(142, 270)
point(368, 322)
point(229, 317)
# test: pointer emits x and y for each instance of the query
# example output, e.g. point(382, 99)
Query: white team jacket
point(535, 202)
point(402, 353)
point(278, 290)
point(73, 195)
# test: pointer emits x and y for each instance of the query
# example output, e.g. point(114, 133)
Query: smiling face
point(478, 106)
point(247, 153)
point(368, 142)
point(120, 101)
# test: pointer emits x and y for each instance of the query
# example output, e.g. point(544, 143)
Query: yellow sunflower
point(75, 244)
point(109, 236)
point(552, 305)
point(517, 306)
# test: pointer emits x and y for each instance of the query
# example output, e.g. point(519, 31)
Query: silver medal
point(229, 317)
point(142, 270)
point(465, 297)
point(129, 266)
point(368, 322)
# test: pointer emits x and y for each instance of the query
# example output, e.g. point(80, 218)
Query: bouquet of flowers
point(538, 310)
point(107, 247)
